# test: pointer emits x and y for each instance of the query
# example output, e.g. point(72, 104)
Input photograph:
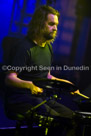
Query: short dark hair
point(38, 20)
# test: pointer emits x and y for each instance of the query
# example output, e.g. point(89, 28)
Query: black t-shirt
point(32, 61)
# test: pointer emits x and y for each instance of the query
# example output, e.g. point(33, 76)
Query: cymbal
point(54, 85)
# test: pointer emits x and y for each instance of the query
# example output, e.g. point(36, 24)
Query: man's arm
point(49, 76)
point(13, 80)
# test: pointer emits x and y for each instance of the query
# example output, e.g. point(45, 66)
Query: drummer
point(35, 50)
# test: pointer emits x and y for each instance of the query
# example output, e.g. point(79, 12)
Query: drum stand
point(44, 121)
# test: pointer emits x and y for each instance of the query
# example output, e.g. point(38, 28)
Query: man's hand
point(75, 92)
point(78, 92)
point(13, 80)
point(35, 90)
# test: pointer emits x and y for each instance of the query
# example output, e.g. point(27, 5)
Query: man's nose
point(55, 28)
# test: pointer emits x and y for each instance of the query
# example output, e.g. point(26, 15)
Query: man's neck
point(41, 42)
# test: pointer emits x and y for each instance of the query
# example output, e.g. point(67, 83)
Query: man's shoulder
point(25, 43)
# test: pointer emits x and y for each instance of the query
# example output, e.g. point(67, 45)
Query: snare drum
point(84, 117)
point(84, 120)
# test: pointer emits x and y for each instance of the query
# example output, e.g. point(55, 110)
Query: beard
point(50, 36)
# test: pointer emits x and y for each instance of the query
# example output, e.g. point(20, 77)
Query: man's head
point(44, 22)
point(50, 28)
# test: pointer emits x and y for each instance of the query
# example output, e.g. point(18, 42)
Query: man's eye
point(51, 24)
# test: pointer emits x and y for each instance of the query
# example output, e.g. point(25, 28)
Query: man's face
point(50, 29)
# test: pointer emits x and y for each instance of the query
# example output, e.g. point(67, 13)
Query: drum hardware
point(83, 118)
point(40, 120)
point(49, 84)
point(56, 85)
point(83, 115)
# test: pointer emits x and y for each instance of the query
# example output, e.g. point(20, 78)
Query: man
point(32, 52)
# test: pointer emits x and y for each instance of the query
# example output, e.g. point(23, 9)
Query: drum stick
point(83, 95)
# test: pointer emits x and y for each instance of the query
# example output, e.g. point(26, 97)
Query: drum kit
point(63, 87)
point(58, 86)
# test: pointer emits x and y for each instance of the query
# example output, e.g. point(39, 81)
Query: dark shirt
point(33, 60)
